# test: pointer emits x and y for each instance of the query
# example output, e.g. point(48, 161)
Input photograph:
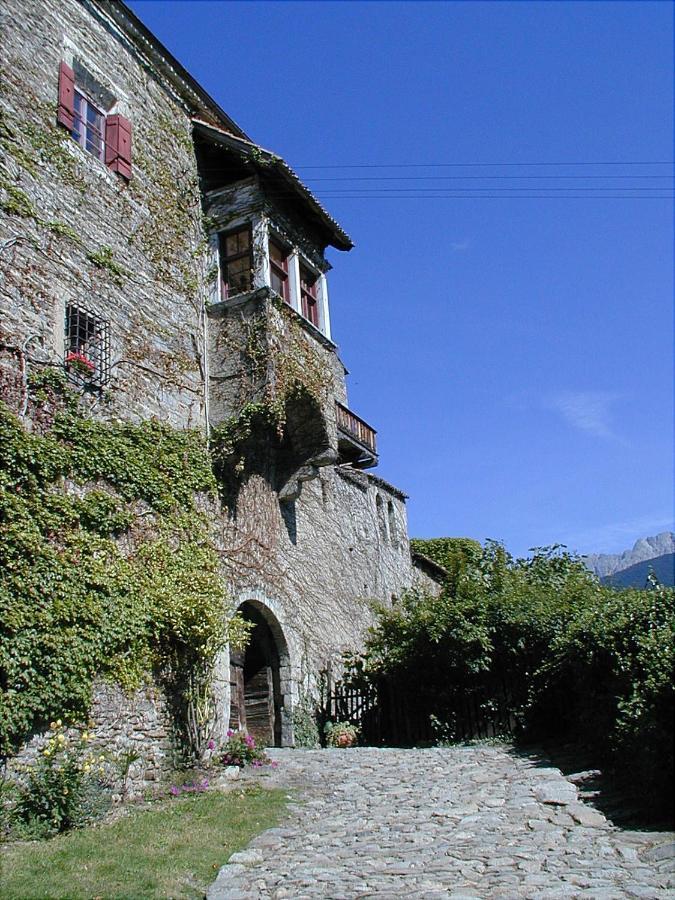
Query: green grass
point(174, 850)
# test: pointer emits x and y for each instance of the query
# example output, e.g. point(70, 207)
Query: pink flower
point(230, 732)
point(211, 745)
point(174, 791)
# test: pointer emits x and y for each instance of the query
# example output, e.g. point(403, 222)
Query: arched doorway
point(257, 699)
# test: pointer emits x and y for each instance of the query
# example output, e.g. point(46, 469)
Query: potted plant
point(341, 734)
point(79, 362)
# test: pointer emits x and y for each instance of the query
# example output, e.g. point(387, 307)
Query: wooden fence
point(391, 714)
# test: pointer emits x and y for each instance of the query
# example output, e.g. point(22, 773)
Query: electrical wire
point(482, 164)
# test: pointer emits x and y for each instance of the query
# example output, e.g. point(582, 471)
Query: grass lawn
point(172, 850)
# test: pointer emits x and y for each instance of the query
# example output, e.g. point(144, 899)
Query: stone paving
point(460, 822)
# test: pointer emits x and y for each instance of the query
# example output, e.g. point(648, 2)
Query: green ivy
point(103, 258)
point(276, 344)
point(78, 603)
point(16, 202)
point(452, 554)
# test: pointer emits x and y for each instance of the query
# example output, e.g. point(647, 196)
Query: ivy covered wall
point(75, 232)
point(109, 569)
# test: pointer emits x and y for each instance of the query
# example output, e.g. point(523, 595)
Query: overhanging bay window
point(236, 258)
point(257, 254)
point(309, 291)
point(279, 271)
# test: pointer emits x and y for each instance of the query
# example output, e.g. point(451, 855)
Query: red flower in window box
point(80, 362)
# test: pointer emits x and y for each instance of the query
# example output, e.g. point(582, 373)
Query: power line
point(483, 164)
point(479, 194)
point(313, 179)
point(495, 197)
point(336, 192)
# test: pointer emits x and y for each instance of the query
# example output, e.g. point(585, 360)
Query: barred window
point(87, 348)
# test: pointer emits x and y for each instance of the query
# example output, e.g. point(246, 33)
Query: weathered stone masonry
point(308, 537)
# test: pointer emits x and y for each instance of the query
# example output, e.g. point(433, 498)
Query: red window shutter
point(66, 110)
point(118, 145)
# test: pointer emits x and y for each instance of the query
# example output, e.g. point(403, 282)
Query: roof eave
point(193, 94)
point(265, 161)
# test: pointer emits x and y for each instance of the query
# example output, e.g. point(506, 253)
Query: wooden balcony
point(356, 439)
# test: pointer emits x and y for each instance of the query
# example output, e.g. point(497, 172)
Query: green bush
point(66, 787)
point(305, 727)
point(576, 661)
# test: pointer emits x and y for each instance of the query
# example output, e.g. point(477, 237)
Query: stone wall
point(74, 232)
point(319, 562)
point(251, 342)
point(312, 556)
point(140, 724)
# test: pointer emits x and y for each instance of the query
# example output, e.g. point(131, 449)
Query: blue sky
point(507, 313)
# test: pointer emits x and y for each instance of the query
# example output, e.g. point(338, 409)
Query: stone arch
point(260, 677)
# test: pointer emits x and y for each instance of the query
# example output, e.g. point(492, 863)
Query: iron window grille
point(87, 348)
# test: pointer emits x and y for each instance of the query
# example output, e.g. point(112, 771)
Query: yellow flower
point(85, 735)
point(101, 759)
point(46, 751)
point(61, 739)
point(65, 791)
point(87, 768)
point(58, 723)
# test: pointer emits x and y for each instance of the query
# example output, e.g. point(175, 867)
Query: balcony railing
point(356, 428)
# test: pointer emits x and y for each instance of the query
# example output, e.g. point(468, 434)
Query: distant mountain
point(631, 567)
point(636, 576)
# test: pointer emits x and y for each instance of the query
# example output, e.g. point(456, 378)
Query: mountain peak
point(644, 549)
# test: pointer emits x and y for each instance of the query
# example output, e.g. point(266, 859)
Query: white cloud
point(460, 246)
point(615, 537)
point(589, 411)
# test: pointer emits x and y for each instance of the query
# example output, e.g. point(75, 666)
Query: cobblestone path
point(453, 823)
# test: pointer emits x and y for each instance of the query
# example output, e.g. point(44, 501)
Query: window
point(236, 259)
point(87, 348)
point(381, 520)
point(107, 137)
point(279, 271)
point(309, 284)
point(393, 530)
point(88, 125)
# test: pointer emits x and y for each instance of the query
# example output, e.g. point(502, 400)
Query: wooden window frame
point(281, 270)
point(309, 295)
point(225, 260)
point(81, 136)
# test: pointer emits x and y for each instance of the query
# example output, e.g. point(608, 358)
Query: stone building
point(177, 270)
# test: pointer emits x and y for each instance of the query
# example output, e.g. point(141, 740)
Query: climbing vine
point(279, 364)
point(171, 235)
point(108, 569)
